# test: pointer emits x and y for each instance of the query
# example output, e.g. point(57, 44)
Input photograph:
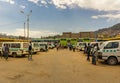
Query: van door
point(111, 49)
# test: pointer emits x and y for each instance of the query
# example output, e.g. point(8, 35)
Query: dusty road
point(61, 66)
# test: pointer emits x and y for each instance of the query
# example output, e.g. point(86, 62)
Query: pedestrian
point(88, 51)
point(46, 47)
point(73, 48)
point(3, 51)
point(30, 51)
point(95, 53)
point(57, 46)
point(85, 48)
point(6, 51)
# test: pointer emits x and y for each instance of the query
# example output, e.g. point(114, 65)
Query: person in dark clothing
point(85, 48)
point(73, 48)
point(3, 51)
point(46, 47)
point(88, 51)
point(57, 46)
point(30, 51)
point(6, 51)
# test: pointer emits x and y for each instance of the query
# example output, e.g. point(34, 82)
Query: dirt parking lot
point(61, 66)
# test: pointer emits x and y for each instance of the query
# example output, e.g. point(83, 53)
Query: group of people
point(6, 51)
point(71, 47)
point(91, 50)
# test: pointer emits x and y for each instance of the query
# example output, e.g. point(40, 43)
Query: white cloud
point(108, 6)
point(102, 5)
point(39, 2)
point(22, 6)
point(34, 1)
point(108, 16)
point(34, 34)
point(44, 2)
point(9, 1)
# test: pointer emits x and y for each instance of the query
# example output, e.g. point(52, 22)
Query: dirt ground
point(61, 66)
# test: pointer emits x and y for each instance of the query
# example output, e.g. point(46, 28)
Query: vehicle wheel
point(0, 54)
point(112, 61)
point(14, 54)
point(23, 55)
point(41, 50)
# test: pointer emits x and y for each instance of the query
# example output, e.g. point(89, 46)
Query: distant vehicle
point(73, 41)
point(16, 48)
point(80, 46)
point(35, 47)
point(51, 45)
point(110, 52)
point(63, 42)
point(43, 46)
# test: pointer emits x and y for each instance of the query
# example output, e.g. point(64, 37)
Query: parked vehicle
point(51, 45)
point(35, 47)
point(16, 48)
point(110, 52)
point(80, 46)
point(43, 46)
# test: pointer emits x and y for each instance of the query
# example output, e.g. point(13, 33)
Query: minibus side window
point(25, 45)
point(15, 45)
point(111, 45)
point(7, 44)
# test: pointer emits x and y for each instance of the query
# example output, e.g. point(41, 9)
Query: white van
point(43, 46)
point(51, 45)
point(16, 48)
point(110, 52)
point(35, 47)
point(80, 45)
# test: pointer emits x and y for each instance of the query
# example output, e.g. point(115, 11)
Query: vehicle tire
point(14, 54)
point(0, 54)
point(23, 55)
point(41, 50)
point(112, 61)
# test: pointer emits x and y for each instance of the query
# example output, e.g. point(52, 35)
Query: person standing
point(73, 48)
point(88, 51)
point(3, 51)
point(6, 51)
point(85, 48)
point(57, 46)
point(95, 53)
point(30, 51)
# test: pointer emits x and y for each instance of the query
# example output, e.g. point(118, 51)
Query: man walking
point(30, 51)
point(3, 51)
point(6, 52)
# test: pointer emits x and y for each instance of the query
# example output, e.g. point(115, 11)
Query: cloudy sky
point(51, 17)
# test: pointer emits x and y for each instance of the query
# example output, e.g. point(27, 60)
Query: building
point(75, 35)
point(78, 35)
point(87, 35)
point(66, 35)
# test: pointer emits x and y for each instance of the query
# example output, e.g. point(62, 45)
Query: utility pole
point(24, 31)
point(28, 15)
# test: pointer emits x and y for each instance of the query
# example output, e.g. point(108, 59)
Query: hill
point(110, 31)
